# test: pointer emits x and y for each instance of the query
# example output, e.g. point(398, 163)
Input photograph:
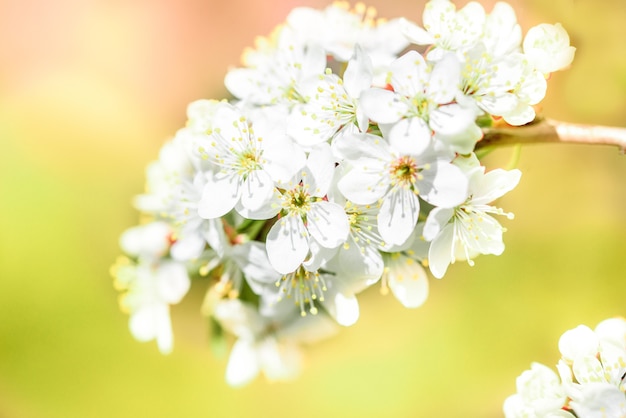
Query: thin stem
point(547, 130)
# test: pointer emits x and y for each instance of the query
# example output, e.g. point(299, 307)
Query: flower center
point(304, 287)
point(297, 200)
point(420, 108)
point(248, 161)
point(404, 171)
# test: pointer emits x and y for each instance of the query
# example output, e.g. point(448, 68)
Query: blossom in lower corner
point(590, 381)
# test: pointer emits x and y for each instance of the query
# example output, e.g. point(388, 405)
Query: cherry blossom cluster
point(345, 159)
point(591, 379)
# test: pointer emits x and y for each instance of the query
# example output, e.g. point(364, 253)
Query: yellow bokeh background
point(90, 89)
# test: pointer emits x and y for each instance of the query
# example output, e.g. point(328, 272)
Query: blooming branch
point(347, 158)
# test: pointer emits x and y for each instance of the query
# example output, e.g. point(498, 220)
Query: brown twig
point(548, 131)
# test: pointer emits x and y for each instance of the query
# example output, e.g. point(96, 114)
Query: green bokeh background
point(91, 89)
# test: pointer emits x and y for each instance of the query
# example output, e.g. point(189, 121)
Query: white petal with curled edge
point(328, 224)
point(441, 252)
point(256, 190)
point(287, 244)
point(409, 284)
point(382, 106)
point(493, 185)
point(398, 216)
point(219, 196)
point(437, 219)
point(243, 364)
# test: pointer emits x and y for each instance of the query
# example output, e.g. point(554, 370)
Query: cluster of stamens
point(304, 287)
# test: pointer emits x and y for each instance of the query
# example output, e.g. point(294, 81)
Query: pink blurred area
point(96, 76)
point(113, 78)
point(151, 56)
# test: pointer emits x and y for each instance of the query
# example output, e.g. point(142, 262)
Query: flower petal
point(398, 216)
point(287, 244)
point(359, 73)
point(328, 224)
point(441, 252)
point(243, 364)
point(344, 308)
point(443, 83)
point(382, 106)
point(409, 283)
point(219, 196)
point(410, 136)
point(361, 187)
point(172, 281)
point(257, 190)
point(437, 219)
point(444, 184)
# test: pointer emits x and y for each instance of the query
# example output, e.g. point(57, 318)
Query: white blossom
point(247, 165)
point(306, 215)
point(547, 47)
point(396, 173)
point(592, 371)
point(446, 28)
point(463, 232)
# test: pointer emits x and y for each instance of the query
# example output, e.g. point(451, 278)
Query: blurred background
point(90, 90)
